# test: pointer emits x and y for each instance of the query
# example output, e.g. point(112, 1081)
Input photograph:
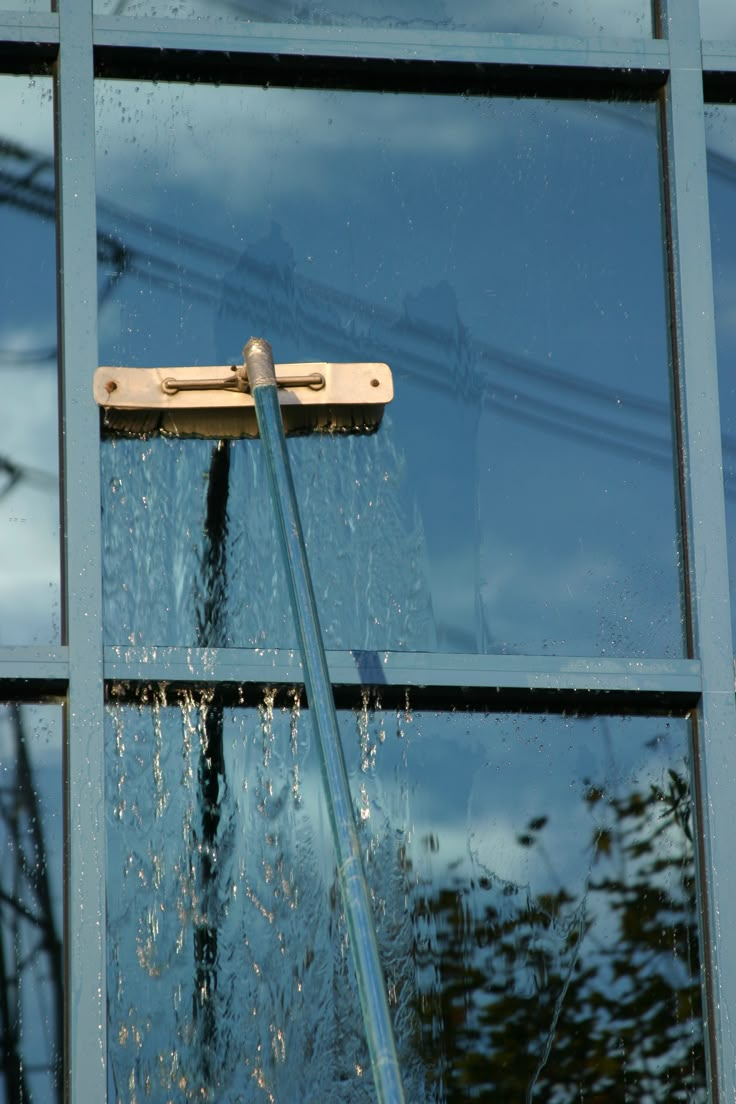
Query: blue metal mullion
point(29, 42)
point(674, 678)
point(38, 665)
point(523, 50)
point(85, 950)
point(29, 27)
point(719, 57)
point(707, 566)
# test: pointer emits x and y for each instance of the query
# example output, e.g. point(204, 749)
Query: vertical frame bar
point(707, 565)
point(85, 975)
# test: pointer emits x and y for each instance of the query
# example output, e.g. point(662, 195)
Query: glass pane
point(533, 883)
point(25, 5)
point(29, 461)
point(718, 19)
point(578, 17)
point(721, 137)
point(505, 258)
point(31, 904)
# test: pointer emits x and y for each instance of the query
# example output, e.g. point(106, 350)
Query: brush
point(216, 401)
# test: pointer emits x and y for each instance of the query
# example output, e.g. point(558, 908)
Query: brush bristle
point(233, 424)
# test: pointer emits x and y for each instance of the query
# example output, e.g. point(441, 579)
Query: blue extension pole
point(356, 900)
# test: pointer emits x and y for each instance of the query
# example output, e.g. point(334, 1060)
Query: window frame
point(677, 70)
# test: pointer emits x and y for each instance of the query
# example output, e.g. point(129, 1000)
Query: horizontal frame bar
point(27, 670)
point(719, 55)
point(366, 42)
point(449, 672)
point(719, 72)
point(45, 663)
point(29, 42)
point(20, 26)
point(29, 673)
point(284, 55)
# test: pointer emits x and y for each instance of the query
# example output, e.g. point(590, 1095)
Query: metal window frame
point(677, 69)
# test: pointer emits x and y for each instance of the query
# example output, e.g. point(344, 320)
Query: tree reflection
point(31, 953)
point(558, 997)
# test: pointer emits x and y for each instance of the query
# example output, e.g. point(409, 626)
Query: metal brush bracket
point(239, 382)
point(217, 400)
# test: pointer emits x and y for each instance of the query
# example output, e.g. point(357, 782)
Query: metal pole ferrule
point(258, 367)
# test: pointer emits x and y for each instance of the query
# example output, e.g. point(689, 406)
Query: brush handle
point(353, 885)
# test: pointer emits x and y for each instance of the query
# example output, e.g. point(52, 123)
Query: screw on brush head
point(258, 368)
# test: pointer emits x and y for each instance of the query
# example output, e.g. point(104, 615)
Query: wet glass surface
point(505, 258)
point(718, 19)
point(577, 17)
point(533, 885)
point(31, 903)
point(29, 463)
point(25, 5)
point(721, 137)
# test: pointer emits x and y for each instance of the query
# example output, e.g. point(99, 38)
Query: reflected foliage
point(537, 946)
point(31, 950)
point(556, 998)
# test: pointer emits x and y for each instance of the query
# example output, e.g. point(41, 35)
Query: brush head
point(317, 397)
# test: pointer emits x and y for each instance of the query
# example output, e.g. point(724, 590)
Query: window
point(522, 576)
